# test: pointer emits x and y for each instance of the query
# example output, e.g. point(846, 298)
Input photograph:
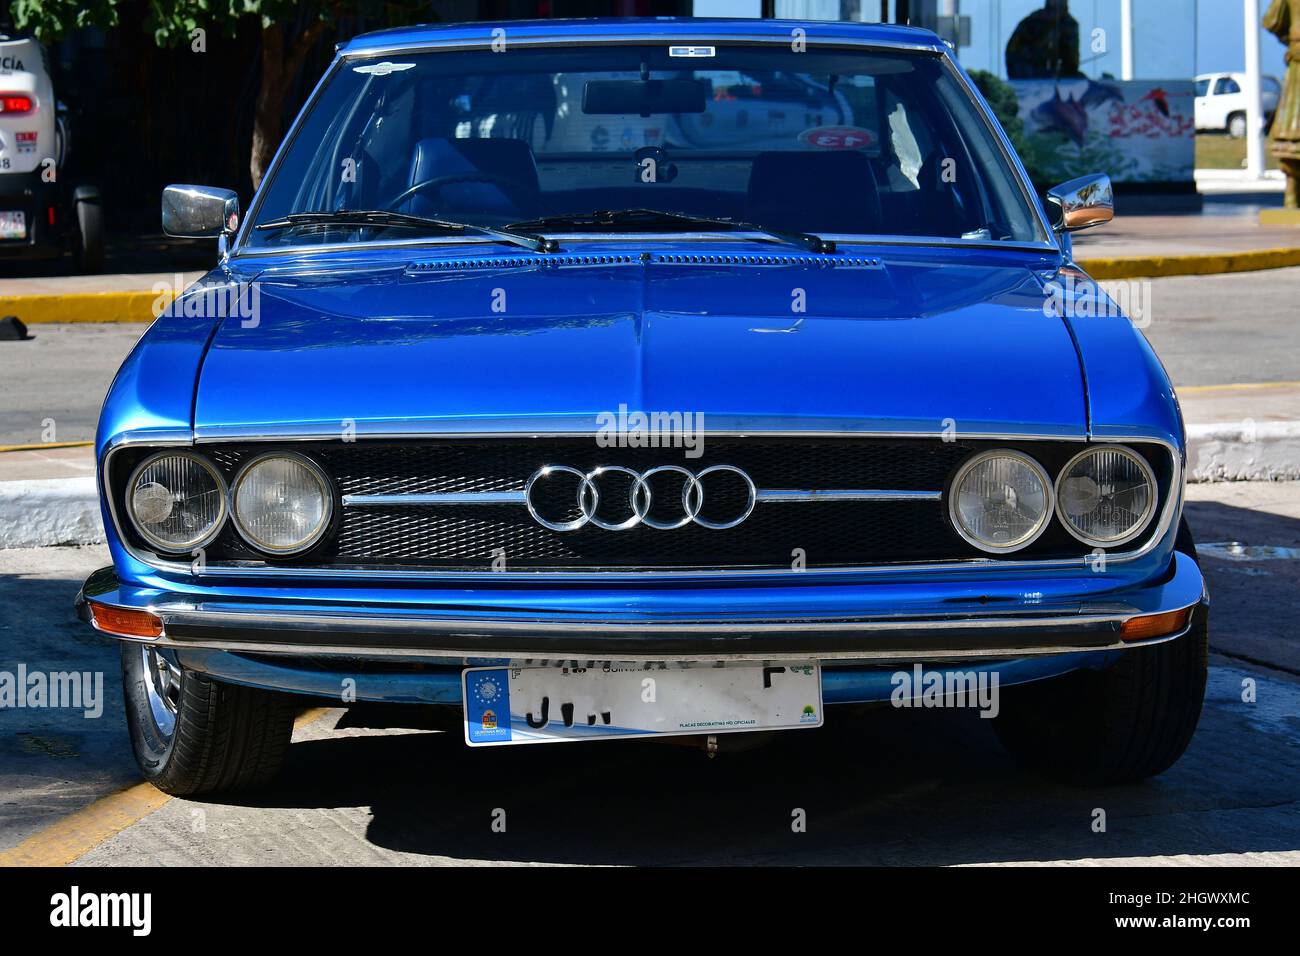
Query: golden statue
point(1283, 21)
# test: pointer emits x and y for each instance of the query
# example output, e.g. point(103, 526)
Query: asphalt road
point(60, 375)
point(1209, 330)
point(1223, 329)
point(884, 786)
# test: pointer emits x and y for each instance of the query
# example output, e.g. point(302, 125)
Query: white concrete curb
point(41, 513)
point(1239, 181)
point(1243, 451)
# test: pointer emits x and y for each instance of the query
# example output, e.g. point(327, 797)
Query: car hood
point(919, 344)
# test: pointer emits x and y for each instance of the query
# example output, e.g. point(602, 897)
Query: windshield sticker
point(838, 137)
point(905, 146)
point(382, 69)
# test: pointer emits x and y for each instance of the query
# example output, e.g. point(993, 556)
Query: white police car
point(41, 215)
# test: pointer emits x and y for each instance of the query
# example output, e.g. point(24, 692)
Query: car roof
point(1235, 76)
point(640, 29)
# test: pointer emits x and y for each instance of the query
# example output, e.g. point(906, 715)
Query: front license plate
point(13, 225)
point(606, 701)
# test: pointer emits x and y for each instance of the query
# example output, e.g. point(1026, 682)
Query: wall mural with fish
point(1137, 131)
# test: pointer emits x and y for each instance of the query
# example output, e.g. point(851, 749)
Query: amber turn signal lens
point(116, 620)
point(1154, 625)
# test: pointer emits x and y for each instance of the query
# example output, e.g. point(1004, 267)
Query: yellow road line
point(65, 840)
point(41, 446)
point(1239, 386)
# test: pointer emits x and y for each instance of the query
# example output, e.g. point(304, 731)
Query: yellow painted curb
point(86, 307)
point(66, 840)
point(1151, 267)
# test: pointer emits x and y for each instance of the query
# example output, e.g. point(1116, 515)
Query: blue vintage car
point(632, 378)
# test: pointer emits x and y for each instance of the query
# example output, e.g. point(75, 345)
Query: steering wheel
point(518, 193)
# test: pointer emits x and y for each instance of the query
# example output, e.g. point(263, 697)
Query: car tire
point(90, 236)
point(1237, 125)
point(194, 735)
point(1126, 722)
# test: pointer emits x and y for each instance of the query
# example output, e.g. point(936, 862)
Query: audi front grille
point(568, 504)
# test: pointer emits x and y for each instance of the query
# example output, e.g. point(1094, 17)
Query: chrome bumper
point(370, 632)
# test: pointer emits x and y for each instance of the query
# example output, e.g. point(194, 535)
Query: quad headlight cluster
point(1001, 501)
point(280, 503)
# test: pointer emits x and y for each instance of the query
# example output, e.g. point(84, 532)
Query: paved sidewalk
point(1261, 402)
point(1213, 231)
point(39, 464)
point(1224, 237)
point(1242, 432)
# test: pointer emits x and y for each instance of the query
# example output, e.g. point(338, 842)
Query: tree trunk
point(278, 73)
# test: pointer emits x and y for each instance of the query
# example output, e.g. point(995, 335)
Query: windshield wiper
point(630, 218)
point(385, 218)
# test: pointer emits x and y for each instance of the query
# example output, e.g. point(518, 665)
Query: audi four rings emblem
point(640, 497)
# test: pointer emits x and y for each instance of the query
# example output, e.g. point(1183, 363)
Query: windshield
point(833, 142)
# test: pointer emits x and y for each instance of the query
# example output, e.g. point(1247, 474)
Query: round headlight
point(1000, 501)
point(176, 500)
point(282, 503)
point(1105, 496)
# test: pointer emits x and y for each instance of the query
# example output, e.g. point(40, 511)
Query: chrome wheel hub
point(162, 682)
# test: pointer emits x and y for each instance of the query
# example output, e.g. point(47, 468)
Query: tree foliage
point(50, 19)
point(171, 22)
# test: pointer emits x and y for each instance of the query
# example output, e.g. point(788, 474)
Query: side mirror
point(199, 212)
point(1080, 203)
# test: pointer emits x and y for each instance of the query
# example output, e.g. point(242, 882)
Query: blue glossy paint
point(947, 332)
point(899, 348)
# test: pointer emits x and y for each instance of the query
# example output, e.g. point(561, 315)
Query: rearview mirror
point(199, 212)
point(1080, 203)
point(645, 97)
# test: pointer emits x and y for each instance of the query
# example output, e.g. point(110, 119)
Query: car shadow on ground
point(1256, 604)
point(884, 786)
point(881, 787)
